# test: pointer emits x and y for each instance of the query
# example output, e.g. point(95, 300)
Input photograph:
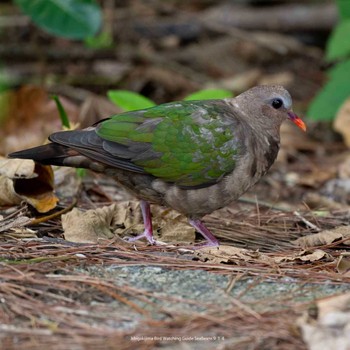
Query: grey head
point(265, 107)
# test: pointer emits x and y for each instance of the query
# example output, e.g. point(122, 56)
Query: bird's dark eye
point(277, 103)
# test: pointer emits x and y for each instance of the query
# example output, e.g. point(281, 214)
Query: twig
point(54, 215)
point(306, 222)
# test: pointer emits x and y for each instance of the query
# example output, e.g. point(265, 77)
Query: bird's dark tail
point(50, 154)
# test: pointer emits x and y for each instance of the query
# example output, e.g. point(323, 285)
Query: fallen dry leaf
point(230, 255)
point(88, 226)
point(127, 215)
point(325, 237)
point(31, 115)
point(343, 264)
point(168, 225)
point(306, 256)
point(317, 177)
point(342, 121)
point(317, 201)
point(171, 226)
point(124, 217)
point(24, 180)
point(329, 326)
point(344, 168)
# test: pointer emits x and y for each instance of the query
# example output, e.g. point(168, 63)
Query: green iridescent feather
point(191, 143)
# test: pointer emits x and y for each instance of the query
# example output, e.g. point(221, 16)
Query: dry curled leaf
point(325, 237)
point(317, 201)
point(342, 122)
point(344, 168)
point(305, 256)
point(168, 225)
point(88, 226)
point(171, 226)
point(24, 180)
point(22, 123)
point(328, 326)
point(230, 255)
point(121, 218)
point(343, 264)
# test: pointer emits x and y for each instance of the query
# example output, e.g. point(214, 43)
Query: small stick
point(306, 222)
point(54, 215)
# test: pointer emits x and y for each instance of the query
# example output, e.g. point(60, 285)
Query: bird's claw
point(146, 235)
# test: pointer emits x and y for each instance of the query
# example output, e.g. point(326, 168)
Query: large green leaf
point(340, 70)
point(344, 8)
point(339, 42)
point(73, 19)
point(326, 104)
point(208, 94)
point(129, 100)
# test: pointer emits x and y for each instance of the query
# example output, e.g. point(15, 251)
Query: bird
point(192, 156)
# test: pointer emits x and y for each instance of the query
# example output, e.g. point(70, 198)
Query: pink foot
point(146, 234)
point(211, 241)
point(147, 219)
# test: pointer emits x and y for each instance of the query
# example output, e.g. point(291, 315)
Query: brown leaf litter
point(24, 180)
point(327, 324)
point(326, 237)
point(121, 218)
point(342, 121)
point(343, 264)
point(50, 300)
point(30, 116)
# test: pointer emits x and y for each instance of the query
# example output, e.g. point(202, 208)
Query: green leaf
point(128, 100)
point(338, 45)
point(344, 8)
point(72, 19)
point(100, 41)
point(208, 94)
point(61, 111)
point(326, 104)
point(340, 69)
point(80, 172)
point(3, 84)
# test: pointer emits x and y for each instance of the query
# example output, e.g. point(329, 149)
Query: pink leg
point(200, 227)
point(147, 220)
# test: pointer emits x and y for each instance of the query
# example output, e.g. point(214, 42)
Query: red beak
point(297, 121)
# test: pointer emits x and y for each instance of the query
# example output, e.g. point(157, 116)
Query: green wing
point(190, 143)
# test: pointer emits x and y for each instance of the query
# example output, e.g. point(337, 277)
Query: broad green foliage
point(339, 43)
point(344, 9)
point(72, 19)
point(208, 94)
point(326, 104)
point(131, 101)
